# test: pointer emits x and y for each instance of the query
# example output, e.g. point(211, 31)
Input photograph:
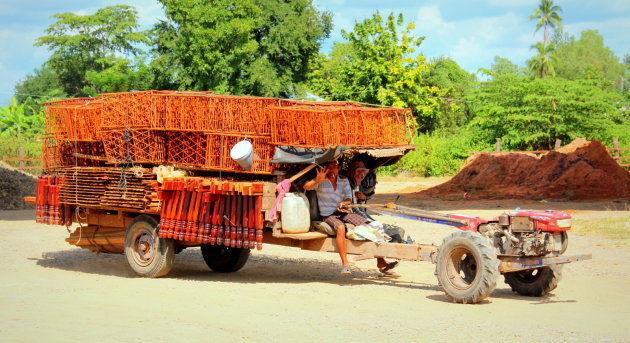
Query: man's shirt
point(328, 198)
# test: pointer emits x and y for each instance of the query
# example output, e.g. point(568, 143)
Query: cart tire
point(467, 268)
point(224, 259)
point(147, 254)
point(535, 282)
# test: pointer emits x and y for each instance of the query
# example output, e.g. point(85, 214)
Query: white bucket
point(242, 153)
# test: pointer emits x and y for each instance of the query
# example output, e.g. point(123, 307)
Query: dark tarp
point(295, 155)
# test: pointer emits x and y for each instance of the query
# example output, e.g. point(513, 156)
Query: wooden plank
point(267, 202)
point(302, 172)
point(616, 147)
point(303, 236)
point(269, 189)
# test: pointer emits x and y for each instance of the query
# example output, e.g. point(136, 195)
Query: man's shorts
point(337, 219)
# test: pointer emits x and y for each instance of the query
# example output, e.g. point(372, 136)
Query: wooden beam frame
point(363, 249)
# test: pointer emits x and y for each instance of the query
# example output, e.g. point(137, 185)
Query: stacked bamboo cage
point(198, 129)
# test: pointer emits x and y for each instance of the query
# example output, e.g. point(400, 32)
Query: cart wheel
point(534, 282)
point(467, 268)
point(147, 254)
point(223, 259)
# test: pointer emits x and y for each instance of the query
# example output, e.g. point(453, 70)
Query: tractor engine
point(528, 233)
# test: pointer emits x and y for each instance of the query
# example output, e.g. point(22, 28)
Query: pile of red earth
point(582, 170)
point(14, 186)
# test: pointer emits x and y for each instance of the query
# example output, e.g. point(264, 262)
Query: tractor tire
point(535, 282)
point(565, 241)
point(467, 268)
point(147, 253)
point(224, 259)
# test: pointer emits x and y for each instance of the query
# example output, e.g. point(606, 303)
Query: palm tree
point(547, 15)
point(542, 64)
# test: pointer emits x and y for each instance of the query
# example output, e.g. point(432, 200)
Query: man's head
point(357, 171)
point(332, 168)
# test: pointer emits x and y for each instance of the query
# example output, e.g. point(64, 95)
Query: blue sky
point(470, 32)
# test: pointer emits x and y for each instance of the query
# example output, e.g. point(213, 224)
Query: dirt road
point(54, 292)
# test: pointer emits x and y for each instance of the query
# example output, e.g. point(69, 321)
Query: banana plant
point(13, 118)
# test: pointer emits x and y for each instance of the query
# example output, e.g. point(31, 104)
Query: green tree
point(123, 75)
point(325, 77)
point(503, 66)
point(256, 47)
point(531, 115)
point(82, 43)
point(447, 75)
point(547, 15)
point(44, 85)
point(586, 58)
point(543, 63)
point(379, 65)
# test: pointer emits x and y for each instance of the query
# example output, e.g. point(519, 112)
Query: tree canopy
point(44, 85)
point(503, 66)
point(586, 58)
point(256, 47)
point(532, 115)
point(82, 43)
point(379, 65)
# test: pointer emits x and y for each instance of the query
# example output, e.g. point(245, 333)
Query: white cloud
point(473, 42)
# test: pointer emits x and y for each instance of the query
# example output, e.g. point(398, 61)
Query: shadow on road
point(18, 215)
point(189, 266)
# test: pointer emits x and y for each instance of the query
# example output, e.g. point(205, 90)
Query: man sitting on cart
point(363, 181)
point(333, 193)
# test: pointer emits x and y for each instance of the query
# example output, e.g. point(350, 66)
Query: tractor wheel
point(564, 238)
point(534, 282)
point(223, 259)
point(467, 268)
point(147, 254)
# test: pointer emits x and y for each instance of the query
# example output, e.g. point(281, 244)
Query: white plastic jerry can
point(295, 215)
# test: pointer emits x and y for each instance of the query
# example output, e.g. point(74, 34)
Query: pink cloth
point(283, 187)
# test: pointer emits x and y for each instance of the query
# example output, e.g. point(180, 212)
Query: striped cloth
point(329, 198)
point(338, 219)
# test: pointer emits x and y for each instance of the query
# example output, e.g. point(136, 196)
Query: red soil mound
point(582, 170)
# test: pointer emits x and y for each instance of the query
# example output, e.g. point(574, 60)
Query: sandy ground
point(54, 292)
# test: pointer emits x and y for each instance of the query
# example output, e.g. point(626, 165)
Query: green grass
point(616, 228)
point(10, 147)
